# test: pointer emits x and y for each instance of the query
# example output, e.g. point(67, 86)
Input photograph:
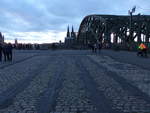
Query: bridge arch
point(114, 29)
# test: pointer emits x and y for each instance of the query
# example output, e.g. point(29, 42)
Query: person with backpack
point(142, 50)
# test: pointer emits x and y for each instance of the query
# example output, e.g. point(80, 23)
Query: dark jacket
point(1, 48)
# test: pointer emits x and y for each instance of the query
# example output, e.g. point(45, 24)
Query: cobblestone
point(73, 97)
point(25, 102)
point(134, 74)
point(18, 56)
point(10, 76)
point(120, 98)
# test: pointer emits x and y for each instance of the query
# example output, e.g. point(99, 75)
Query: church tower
point(68, 32)
point(1, 38)
point(73, 33)
point(70, 38)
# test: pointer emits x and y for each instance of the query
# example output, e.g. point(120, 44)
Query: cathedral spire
point(72, 30)
point(1, 35)
point(73, 33)
point(1, 38)
point(68, 32)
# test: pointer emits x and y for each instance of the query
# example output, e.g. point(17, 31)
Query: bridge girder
point(101, 27)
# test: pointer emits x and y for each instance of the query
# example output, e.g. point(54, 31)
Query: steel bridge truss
point(114, 29)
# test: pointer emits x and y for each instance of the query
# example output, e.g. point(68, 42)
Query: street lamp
point(131, 28)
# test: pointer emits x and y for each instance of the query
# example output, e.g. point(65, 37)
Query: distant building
point(1, 38)
point(70, 38)
point(16, 42)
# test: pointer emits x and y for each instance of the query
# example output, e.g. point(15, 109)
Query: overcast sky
point(39, 21)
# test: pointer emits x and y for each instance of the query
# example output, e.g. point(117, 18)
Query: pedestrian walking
point(91, 47)
point(5, 51)
point(142, 50)
point(95, 48)
point(9, 53)
point(99, 47)
point(1, 49)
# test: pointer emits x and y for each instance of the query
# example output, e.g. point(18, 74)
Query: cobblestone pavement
point(18, 56)
point(134, 74)
point(73, 97)
point(72, 82)
point(122, 95)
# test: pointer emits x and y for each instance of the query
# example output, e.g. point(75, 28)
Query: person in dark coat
point(99, 46)
point(1, 49)
point(5, 52)
point(9, 52)
point(90, 45)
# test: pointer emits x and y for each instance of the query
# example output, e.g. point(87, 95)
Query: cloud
point(36, 37)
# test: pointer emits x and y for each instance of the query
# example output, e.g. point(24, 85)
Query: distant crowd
point(6, 52)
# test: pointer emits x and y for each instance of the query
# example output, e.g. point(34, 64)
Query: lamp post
point(131, 27)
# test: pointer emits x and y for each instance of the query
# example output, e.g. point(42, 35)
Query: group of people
point(142, 48)
point(6, 52)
